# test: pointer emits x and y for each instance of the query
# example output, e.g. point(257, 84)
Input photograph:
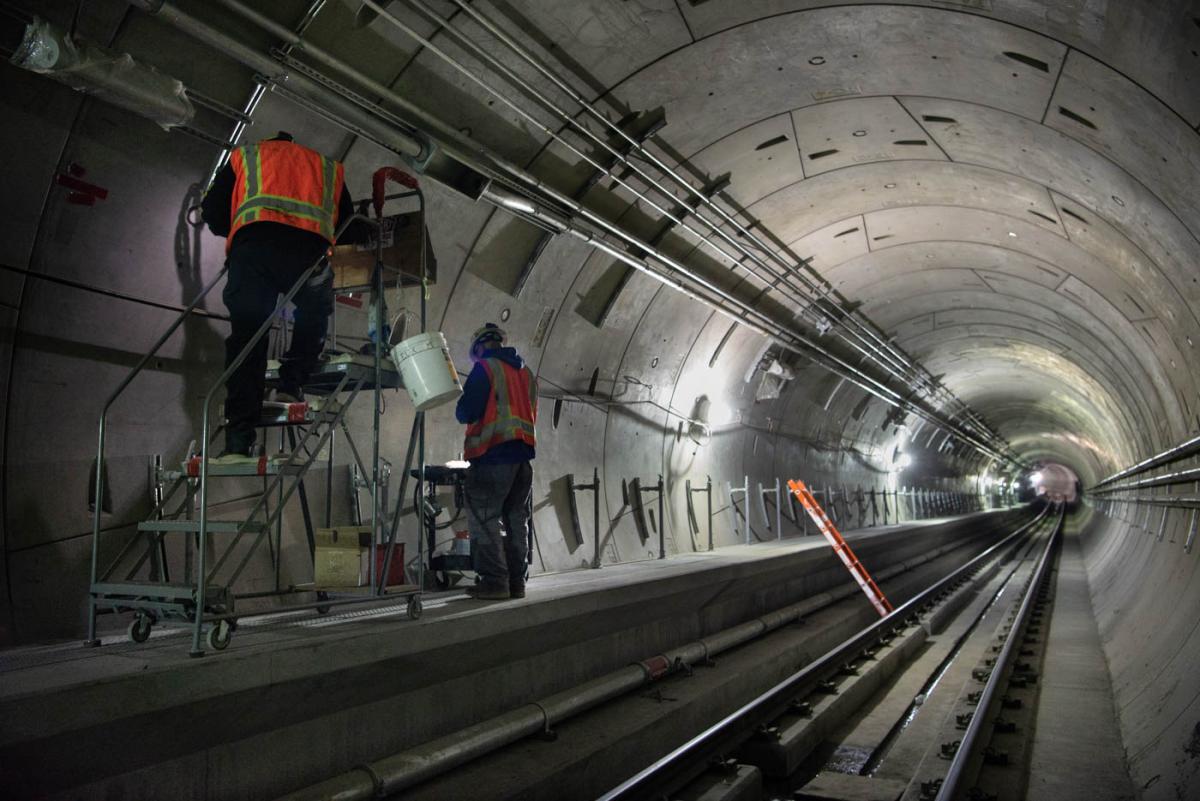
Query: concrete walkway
point(1077, 750)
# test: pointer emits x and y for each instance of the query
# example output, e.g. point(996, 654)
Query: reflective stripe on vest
point(510, 414)
point(299, 195)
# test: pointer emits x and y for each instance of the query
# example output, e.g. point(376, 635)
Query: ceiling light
point(1012, 234)
point(889, 186)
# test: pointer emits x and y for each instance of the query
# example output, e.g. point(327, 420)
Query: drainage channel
point(852, 723)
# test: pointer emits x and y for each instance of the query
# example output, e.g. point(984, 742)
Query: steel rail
point(677, 767)
point(963, 764)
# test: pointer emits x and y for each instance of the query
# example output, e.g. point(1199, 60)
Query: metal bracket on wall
point(762, 503)
point(707, 490)
point(733, 513)
point(634, 501)
point(594, 488)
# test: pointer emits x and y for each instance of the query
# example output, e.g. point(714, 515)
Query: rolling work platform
point(217, 552)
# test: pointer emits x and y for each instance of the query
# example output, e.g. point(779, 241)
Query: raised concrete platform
point(298, 698)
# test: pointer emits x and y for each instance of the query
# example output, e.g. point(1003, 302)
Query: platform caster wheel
point(414, 607)
point(139, 629)
point(324, 609)
point(219, 635)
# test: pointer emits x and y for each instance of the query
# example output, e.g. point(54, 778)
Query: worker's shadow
point(203, 344)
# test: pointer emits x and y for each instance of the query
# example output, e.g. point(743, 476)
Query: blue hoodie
point(473, 404)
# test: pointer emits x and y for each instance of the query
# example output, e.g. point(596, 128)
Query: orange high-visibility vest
point(283, 182)
point(511, 410)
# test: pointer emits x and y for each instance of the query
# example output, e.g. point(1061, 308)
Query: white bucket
point(429, 375)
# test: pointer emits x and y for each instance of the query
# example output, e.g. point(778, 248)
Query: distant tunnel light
point(1035, 479)
point(902, 461)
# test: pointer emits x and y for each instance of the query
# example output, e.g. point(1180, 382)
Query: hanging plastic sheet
point(115, 79)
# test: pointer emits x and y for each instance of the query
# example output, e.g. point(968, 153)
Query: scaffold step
point(213, 526)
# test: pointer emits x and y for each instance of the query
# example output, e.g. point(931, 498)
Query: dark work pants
point(259, 272)
point(499, 494)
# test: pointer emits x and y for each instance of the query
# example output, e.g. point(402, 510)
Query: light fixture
point(706, 414)
point(1013, 234)
point(720, 413)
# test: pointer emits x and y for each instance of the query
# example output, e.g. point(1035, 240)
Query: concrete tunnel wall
point(1010, 191)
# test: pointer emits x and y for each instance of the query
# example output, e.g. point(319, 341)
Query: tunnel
point(939, 260)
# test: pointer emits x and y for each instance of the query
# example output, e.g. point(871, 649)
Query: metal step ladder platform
point(216, 552)
point(841, 548)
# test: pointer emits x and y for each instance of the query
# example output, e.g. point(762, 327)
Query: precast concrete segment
point(1142, 592)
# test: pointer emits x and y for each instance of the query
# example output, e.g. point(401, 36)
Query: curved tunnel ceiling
point(1010, 193)
point(999, 202)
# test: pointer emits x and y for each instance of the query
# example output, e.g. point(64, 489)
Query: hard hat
point(490, 332)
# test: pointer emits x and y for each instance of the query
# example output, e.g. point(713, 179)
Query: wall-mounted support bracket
point(707, 490)
point(594, 488)
point(745, 491)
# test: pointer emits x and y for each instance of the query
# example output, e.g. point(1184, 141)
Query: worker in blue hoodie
point(499, 407)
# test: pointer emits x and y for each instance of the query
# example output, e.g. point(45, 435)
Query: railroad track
point(932, 703)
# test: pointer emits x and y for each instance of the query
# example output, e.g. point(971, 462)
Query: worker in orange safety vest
point(279, 205)
point(499, 406)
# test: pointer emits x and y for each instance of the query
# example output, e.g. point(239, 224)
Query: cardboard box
point(338, 561)
point(342, 558)
point(352, 264)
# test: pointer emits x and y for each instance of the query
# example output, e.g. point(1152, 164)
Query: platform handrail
point(206, 411)
point(98, 490)
point(666, 772)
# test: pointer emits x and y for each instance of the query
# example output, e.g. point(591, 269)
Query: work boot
point(516, 589)
point(482, 592)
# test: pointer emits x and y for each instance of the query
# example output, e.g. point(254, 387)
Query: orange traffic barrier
point(841, 548)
